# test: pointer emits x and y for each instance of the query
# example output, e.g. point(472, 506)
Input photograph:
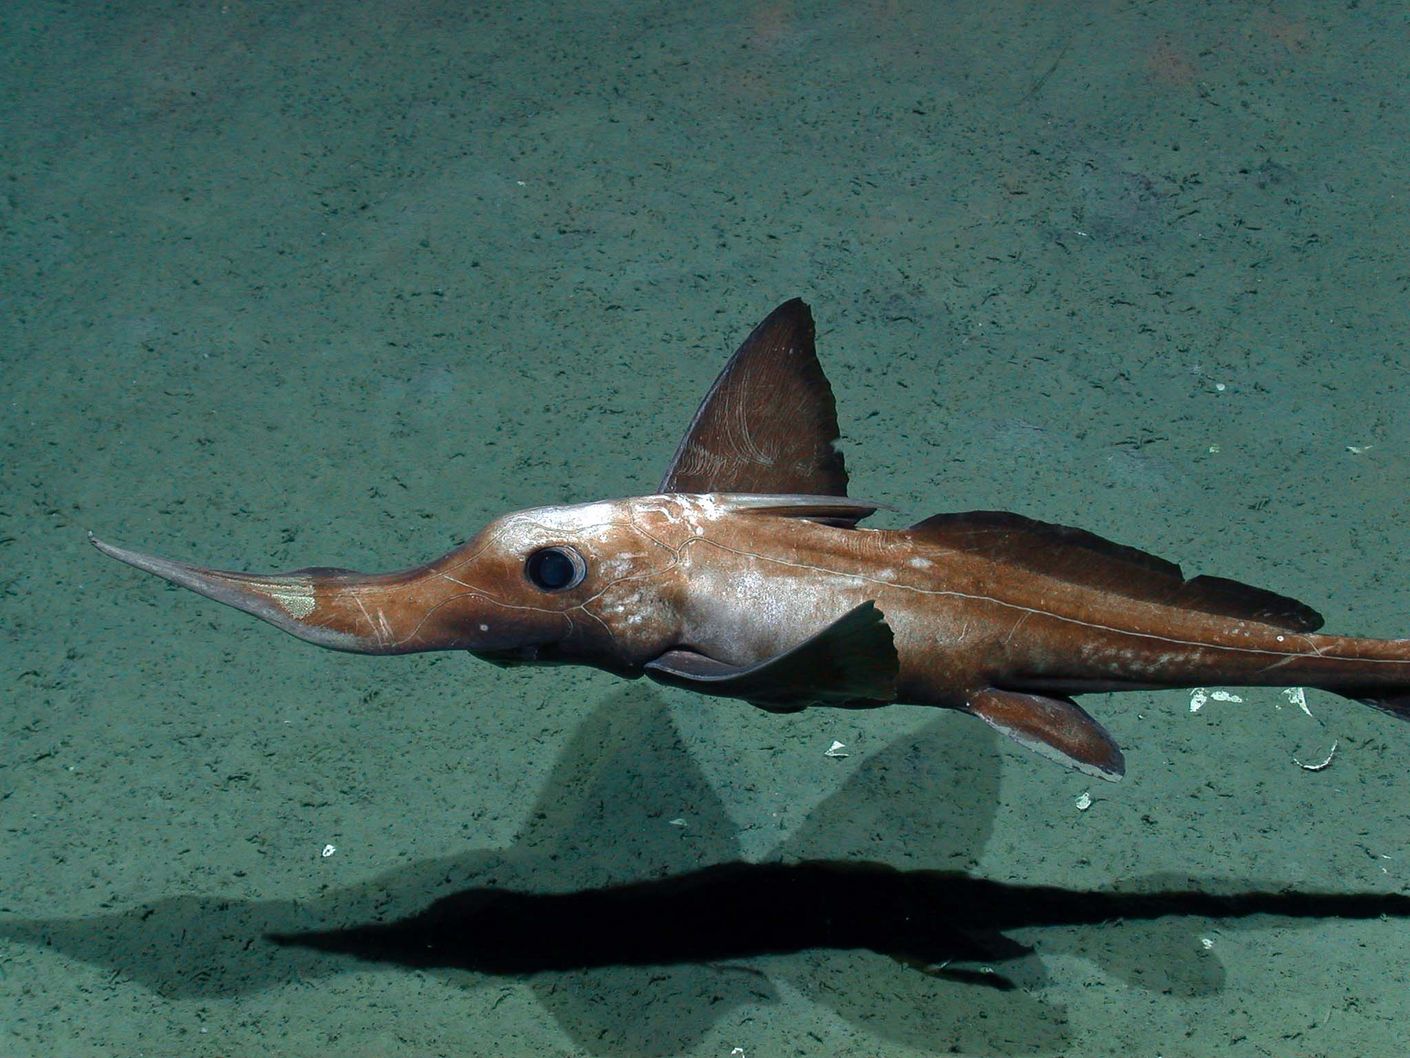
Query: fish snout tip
point(111, 550)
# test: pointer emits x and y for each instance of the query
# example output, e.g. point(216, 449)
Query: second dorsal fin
point(1080, 557)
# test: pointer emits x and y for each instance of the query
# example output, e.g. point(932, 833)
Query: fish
point(747, 575)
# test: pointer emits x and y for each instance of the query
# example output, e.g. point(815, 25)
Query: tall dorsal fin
point(769, 423)
point(1080, 557)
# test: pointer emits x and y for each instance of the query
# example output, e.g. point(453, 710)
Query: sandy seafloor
point(336, 283)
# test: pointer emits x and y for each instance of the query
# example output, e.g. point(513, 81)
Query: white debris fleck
point(1298, 697)
point(1200, 695)
point(1317, 765)
point(1206, 943)
point(678, 822)
point(1084, 801)
point(328, 850)
point(835, 750)
point(1356, 450)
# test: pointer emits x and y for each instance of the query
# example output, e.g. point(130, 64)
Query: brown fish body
point(963, 623)
point(747, 576)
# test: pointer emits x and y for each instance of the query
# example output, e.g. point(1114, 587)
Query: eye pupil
point(554, 568)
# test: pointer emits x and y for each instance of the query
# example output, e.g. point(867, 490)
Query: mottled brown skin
point(966, 623)
point(747, 576)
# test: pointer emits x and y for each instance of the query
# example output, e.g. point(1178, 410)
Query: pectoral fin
point(852, 663)
point(1056, 727)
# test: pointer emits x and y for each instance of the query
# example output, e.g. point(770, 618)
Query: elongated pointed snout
point(427, 607)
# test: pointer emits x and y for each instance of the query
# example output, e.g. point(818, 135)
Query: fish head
point(588, 584)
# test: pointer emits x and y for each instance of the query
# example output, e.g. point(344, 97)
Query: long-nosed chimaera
point(745, 575)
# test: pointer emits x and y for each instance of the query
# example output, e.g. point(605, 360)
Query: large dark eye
point(555, 568)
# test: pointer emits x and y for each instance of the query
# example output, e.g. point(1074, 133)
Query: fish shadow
point(637, 936)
